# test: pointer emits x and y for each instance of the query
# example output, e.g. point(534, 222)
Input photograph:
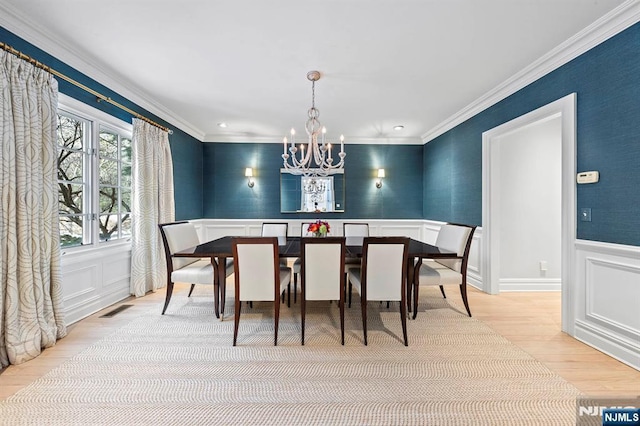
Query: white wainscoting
point(607, 294)
point(94, 279)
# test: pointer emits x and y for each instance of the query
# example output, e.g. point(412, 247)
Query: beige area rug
point(181, 369)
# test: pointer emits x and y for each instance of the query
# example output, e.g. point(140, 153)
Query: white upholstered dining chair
point(382, 276)
point(258, 276)
point(354, 233)
point(322, 277)
point(440, 272)
point(276, 229)
point(297, 264)
point(177, 236)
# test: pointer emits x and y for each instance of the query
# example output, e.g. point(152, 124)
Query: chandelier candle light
point(317, 160)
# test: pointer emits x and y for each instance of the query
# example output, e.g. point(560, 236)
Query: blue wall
point(607, 82)
point(226, 194)
point(186, 150)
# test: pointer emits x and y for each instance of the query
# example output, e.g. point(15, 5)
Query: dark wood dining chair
point(440, 272)
point(322, 276)
point(258, 276)
point(382, 276)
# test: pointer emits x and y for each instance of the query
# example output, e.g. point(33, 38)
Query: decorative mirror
point(311, 194)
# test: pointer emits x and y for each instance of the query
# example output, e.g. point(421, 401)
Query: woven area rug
point(181, 369)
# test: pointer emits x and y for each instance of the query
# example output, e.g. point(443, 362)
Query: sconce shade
point(248, 173)
point(379, 180)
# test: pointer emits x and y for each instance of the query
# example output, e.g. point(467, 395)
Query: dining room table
point(220, 249)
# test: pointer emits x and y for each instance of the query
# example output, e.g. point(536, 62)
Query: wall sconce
point(248, 173)
point(380, 176)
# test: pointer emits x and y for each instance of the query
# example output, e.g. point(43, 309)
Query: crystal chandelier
point(315, 158)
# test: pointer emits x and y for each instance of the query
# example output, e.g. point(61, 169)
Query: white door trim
point(566, 109)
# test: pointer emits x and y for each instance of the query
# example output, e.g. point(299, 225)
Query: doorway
point(562, 110)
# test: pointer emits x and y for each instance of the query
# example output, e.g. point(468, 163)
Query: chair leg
point(442, 291)
point(295, 287)
point(415, 299)
point(276, 305)
point(236, 321)
point(463, 292)
point(302, 315)
point(403, 318)
point(191, 290)
point(350, 292)
point(342, 319)
point(289, 295)
point(364, 319)
point(168, 296)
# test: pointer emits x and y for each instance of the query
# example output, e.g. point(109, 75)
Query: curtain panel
point(31, 305)
point(152, 203)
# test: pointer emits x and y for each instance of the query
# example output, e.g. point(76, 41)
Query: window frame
point(97, 120)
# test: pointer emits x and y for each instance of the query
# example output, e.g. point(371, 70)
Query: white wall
point(528, 186)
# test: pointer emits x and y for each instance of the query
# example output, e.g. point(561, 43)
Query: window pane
point(71, 231)
point(70, 133)
point(125, 152)
point(108, 172)
point(125, 175)
point(70, 165)
point(108, 145)
point(126, 226)
point(125, 194)
point(108, 200)
point(108, 227)
point(70, 198)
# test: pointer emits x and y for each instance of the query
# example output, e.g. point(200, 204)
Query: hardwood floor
point(529, 320)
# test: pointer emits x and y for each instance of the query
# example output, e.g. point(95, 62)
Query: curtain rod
point(100, 97)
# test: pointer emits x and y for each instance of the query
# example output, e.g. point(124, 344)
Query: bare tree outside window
point(78, 155)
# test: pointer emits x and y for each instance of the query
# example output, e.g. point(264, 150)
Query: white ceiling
point(197, 63)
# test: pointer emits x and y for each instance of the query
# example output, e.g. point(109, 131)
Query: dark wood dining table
point(219, 250)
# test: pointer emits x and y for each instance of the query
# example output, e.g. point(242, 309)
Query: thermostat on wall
point(588, 177)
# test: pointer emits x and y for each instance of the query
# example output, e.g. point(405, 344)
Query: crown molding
point(616, 21)
point(212, 138)
point(20, 25)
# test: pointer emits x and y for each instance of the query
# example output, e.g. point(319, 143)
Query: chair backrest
point(322, 268)
point(256, 267)
point(177, 236)
point(303, 229)
point(355, 232)
point(457, 238)
point(276, 229)
point(384, 267)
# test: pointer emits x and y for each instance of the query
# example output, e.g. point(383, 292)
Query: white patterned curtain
point(152, 204)
point(31, 307)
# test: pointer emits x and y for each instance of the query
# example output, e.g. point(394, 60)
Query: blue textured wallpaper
point(607, 82)
point(186, 150)
point(226, 194)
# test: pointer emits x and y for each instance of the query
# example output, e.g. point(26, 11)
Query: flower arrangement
point(319, 228)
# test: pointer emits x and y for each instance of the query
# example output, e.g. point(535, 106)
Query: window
point(94, 177)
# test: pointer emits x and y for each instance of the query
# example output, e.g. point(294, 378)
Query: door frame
point(565, 108)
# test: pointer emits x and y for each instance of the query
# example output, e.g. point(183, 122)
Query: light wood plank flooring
point(529, 320)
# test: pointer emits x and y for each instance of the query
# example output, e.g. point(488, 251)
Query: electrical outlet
point(543, 265)
point(585, 214)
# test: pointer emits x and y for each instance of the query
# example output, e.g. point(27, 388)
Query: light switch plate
point(585, 214)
